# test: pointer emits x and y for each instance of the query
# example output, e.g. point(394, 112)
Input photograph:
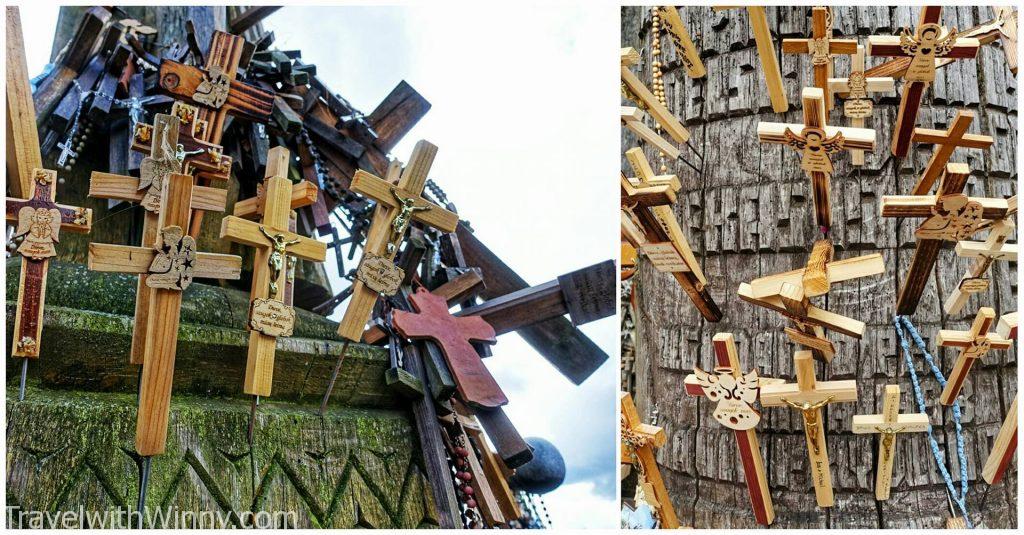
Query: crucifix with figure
point(888, 425)
point(817, 142)
point(735, 394)
point(204, 159)
point(927, 42)
point(809, 396)
point(821, 47)
point(638, 443)
point(984, 254)
point(856, 90)
point(789, 294)
point(974, 344)
point(949, 216)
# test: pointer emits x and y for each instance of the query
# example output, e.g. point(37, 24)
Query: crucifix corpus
point(974, 344)
point(39, 222)
point(984, 254)
point(638, 443)
point(888, 424)
point(766, 52)
point(821, 47)
point(949, 216)
point(817, 142)
point(789, 294)
point(927, 42)
point(735, 394)
point(856, 90)
point(809, 396)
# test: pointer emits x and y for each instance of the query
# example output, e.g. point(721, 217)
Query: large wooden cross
point(974, 344)
point(649, 198)
point(809, 396)
point(788, 293)
point(23, 154)
point(950, 216)
point(766, 52)
point(397, 206)
point(269, 316)
point(171, 265)
point(927, 42)
point(945, 143)
point(735, 410)
point(821, 47)
point(638, 443)
point(888, 425)
point(856, 89)
point(816, 142)
point(634, 90)
point(984, 254)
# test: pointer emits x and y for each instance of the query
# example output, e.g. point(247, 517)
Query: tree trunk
point(749, 213)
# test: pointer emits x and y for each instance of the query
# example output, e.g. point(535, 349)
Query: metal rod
point(252, 418)
point(694, 149)
point(334, 377)
point(143, 484)
point(138, 386)
point(24, 374)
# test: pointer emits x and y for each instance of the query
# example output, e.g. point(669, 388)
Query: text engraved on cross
point(888, 425)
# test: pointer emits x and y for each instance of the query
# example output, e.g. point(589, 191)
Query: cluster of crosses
point(650, 225)
point(418, 259)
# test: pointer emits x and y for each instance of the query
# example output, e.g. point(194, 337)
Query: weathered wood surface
point(749, 214)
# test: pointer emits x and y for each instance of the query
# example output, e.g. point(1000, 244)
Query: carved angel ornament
point(955, 218)
point(816, 148)
point(735, 397)
point(175, 259)
point(213, 90)
point(924, 45)
point(41, 230)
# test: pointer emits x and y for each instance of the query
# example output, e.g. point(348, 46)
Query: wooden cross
point(974, 344)
point(945, 143)
point(638, 443)
point(888, 424)
point(23, 155)
point(950, 216)
point(821, 47)
point(397, 206)
point(633, 118)
point(927, 42)
point(984, 253)
point(735, 402)
point(147, 191)
point(635, 90)
point(856, 89)
point(269, 316)
point(688, 54)
point(766, 51)
point(171, 264)
point(788, 293)
point(809, 396)
point(202, 158)
point(816, 142)
point(648, 199)
point(1004, 448)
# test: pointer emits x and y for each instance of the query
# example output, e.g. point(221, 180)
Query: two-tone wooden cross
point(638, 443)
point(974, 344)
point(735, 410)
point(888, 425)
point(856, 90)
point(984, 254)
point(648, 199)
point(809, 396)
point(816, 142)
point(766, 52)
point(201, 158)
point(634, 90)
point(950, 216)
point(821, 47)
point(927, 42)
point(1004, 448)
point(788, 293)
point(686, 51)
point(945, 143)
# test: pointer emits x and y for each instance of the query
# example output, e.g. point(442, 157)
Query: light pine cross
point(638, 443)
point(857, 89)
point(766, 52)
point(973, 344)
point(821, 47)
point(945, 143)
point(888, 425)
point(984, 254)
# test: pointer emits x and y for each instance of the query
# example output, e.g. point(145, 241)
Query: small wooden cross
point(171, 264)
point(1008, 326)
point(927, 42)
point(633, 118)
point(888, 424)
point(993, 248)
point(950, 216)
point(788, 293)
point(856, 89)
point(735, 410)
point(39, 221)
point(816, 142)
point(269, 316)
point(398, 205)
point(204, 159)
point(648, 198)
point(974, 344)
point(687, 52)
point(635, 90)
point(809, 396)
point(638, 443)
point(945, 143)
point(766, 51)
point(1004, 448)
point(821, 47)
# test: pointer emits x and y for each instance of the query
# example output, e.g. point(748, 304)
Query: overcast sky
point(523, 115)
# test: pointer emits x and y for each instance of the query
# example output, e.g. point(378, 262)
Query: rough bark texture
point(749, 213)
